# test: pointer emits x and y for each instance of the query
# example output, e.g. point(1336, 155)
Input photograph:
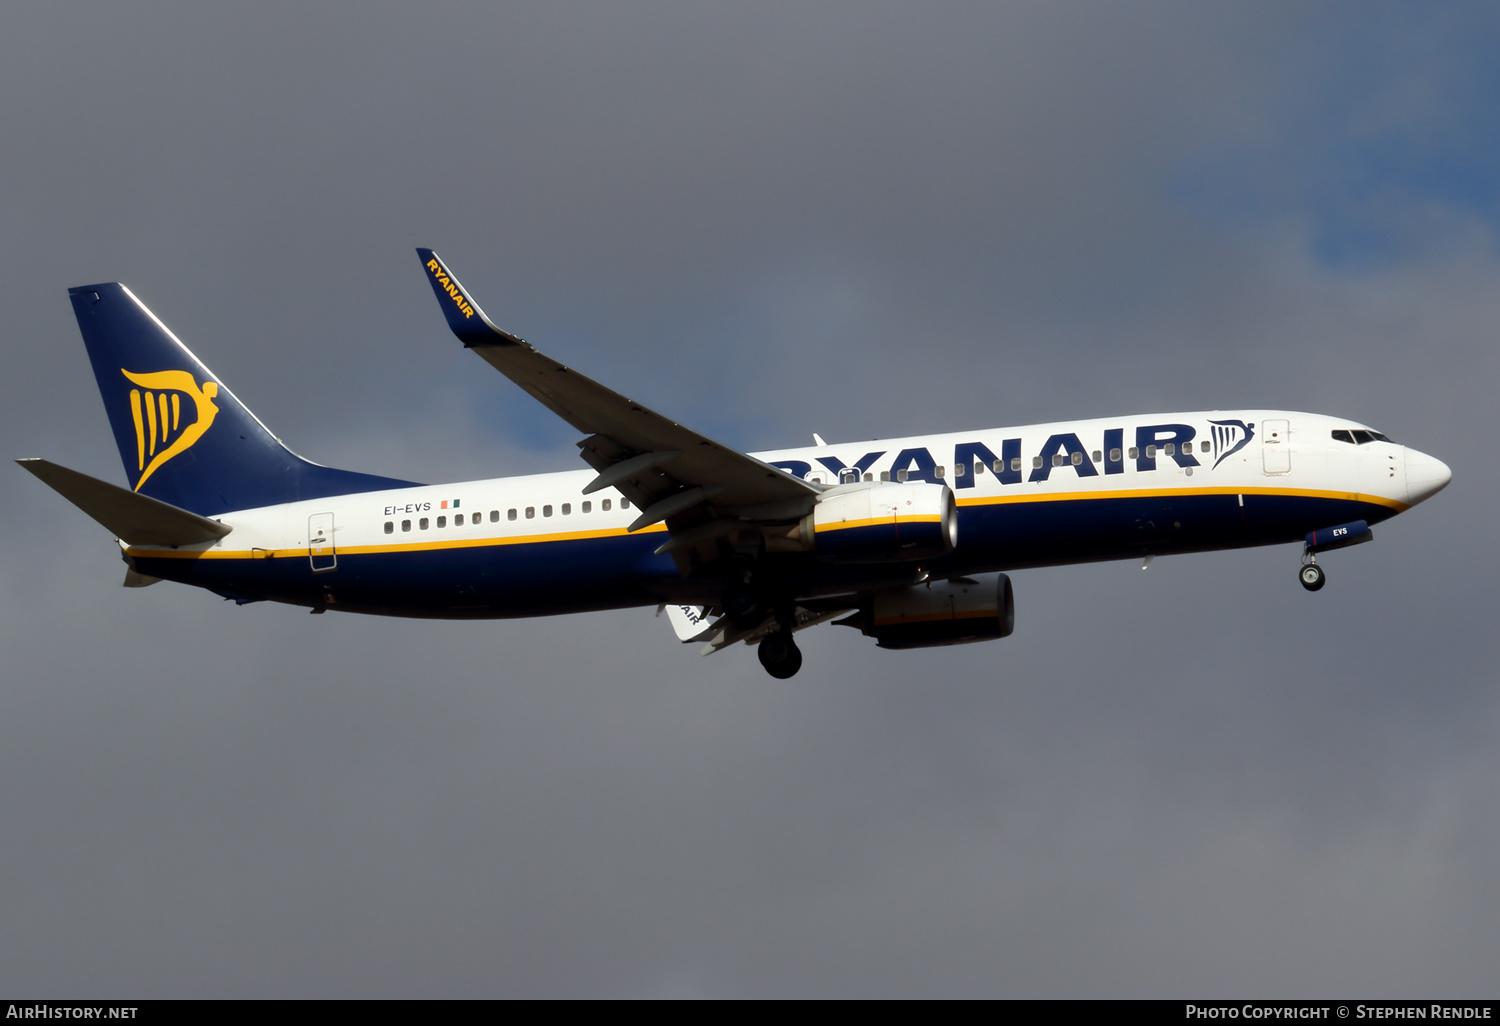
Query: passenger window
point(1135, 453)
point(1169, 449)
point(1098, 455)
point(869, 477)
point(997, 466)
point(624, 503)
point(442, 521)
point(422, 523)
point(1114, 455)
point(1078, 459)
point(940, 472)
point(885, 475)
point(510, 514)
point(458, 520)
point(1057, 459)
point(406, 525)
point(1187, 448)
point(494, 516)
point(546, 511)
point(1036, 463)
point(1150, 452)
point(1015, 463)
point(604, 505)
point(530, 512)
point(588, 506)
point(900, 475)
point(390, 528)
point(567, 508)
point(958, 470)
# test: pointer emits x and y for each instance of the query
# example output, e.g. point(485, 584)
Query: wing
point(701, 489)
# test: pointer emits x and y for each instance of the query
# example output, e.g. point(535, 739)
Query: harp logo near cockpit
point(165, 424)
point(1229, 437)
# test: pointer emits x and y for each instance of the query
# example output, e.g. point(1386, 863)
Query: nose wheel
point(1312, 576)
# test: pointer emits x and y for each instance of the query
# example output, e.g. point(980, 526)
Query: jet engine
point(952, 612)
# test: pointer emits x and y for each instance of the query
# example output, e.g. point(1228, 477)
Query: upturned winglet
point(468, 322)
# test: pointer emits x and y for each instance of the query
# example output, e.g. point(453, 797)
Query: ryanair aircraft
point(907, 540)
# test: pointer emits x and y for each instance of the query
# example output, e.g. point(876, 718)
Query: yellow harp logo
point(156, 408)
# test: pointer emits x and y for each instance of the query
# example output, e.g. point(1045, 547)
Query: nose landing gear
point(779, 654)
point(1311, 575)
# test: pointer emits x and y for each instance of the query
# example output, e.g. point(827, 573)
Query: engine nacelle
point(953, 612)
point(882, 521)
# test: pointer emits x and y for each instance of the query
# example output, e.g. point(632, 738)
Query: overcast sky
point(764, 220)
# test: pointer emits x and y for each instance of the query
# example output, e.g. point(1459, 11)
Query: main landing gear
point(779, 654)
point(1311, 575)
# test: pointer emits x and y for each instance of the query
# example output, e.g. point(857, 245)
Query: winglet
point(468, 322)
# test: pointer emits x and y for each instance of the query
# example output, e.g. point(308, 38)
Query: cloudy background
point(765, 220)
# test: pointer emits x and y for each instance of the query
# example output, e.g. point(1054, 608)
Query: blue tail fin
point(184, 438)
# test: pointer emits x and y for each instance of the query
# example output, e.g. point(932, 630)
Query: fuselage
point(1040, 495)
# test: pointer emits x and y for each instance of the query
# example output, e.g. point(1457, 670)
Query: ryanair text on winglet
point(446, 281)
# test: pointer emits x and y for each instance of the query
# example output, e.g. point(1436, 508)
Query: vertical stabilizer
point(183, 436)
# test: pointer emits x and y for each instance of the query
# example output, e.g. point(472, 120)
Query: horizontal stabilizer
point(134, 518)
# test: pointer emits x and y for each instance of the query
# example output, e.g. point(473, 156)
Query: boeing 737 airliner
point(907, 540)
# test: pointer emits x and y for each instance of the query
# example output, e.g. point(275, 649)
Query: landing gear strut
point(1311, 575)
point(780, 655)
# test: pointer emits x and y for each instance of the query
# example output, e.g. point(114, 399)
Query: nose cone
point(1425, 476)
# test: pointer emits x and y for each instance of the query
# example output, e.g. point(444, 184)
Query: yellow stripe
point(1159, 493)
point(925, 518)
point(422, 546)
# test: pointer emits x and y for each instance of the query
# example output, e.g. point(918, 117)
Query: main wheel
point(780, 655)
point(1312, 577)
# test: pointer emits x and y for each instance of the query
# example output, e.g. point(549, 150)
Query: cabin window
point(604, 505)
point(997, 466)
point(406, 525)
point(530, 512)
point(869, 477)
point(1170, 449)
point(885, 475)
point(1015, 463)
point(1150, 452)
point(494, 516)
point(546, 511)
point(390, 528)
point(624, 503)
point(1187, 448)
point(848, 476)
point(458, 520)
point(587, 507)
point(1134, 453)
point(1114, 455)
point(1036, 463)
point(567, 508)
point(442, 521)
point(422, 523)
point(1057, 459)
point(1078, 459)
point(960, 469)
point(900, 475)
point(510, 514)
point(1098, 455)
point(940, 471)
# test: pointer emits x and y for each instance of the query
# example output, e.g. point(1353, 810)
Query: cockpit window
point(1359, 436)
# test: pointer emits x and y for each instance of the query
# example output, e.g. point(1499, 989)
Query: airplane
point(908, 540)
